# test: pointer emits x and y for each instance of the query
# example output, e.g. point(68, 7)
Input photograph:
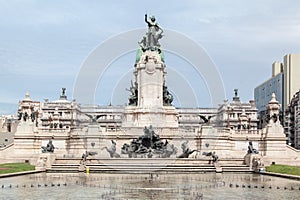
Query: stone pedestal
point(212, 140)
point(81, 167)
point(45, 160)
point(94, 137)
point(274, 145)
point(26, 142)
point(149, 75)
point(25, 128)
point(218, 167)
point(274, 141)
point(164, 117)
point(254, 161)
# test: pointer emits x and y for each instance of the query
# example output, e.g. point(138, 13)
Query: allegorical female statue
point(150, 40)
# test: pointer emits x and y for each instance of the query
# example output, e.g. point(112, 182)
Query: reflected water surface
point(148, 186)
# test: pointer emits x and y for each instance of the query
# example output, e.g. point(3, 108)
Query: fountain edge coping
point(21, 173)
point(289, 176)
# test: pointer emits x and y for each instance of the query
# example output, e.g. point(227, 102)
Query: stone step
point(64, 167)
point(234, 166)
point(130, 170)
point(145, 168)
point(149, 167)
point(151, 170)
point(62, 164)
point(64, 170)
point(131, 166)
point(109, 161)
point(236, 169)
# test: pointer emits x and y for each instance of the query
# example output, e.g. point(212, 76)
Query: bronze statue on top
point(150, 40)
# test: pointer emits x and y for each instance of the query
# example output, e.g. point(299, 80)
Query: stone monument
point(274, 138)
point(150, 102)
point(25, 137)
point(114, 134)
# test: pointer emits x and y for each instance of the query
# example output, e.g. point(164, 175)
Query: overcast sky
point(44, 43)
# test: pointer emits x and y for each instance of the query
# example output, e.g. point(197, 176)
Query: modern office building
point(263, 92)
point(284, 83)
point(291, 71)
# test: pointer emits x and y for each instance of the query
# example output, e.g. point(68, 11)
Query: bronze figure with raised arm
point(150, 40)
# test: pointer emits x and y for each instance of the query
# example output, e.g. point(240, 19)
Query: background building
point(237, 115)
point(8, 127)
point(284, 83)
point(291, 70)
point(263, 92)
point(293, 121)
point(62, 115)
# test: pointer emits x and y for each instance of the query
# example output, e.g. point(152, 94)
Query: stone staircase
point(64, 168)
point(143, 165)
point(145, 168)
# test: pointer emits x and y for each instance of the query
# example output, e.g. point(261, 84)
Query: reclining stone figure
point(49, 148)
